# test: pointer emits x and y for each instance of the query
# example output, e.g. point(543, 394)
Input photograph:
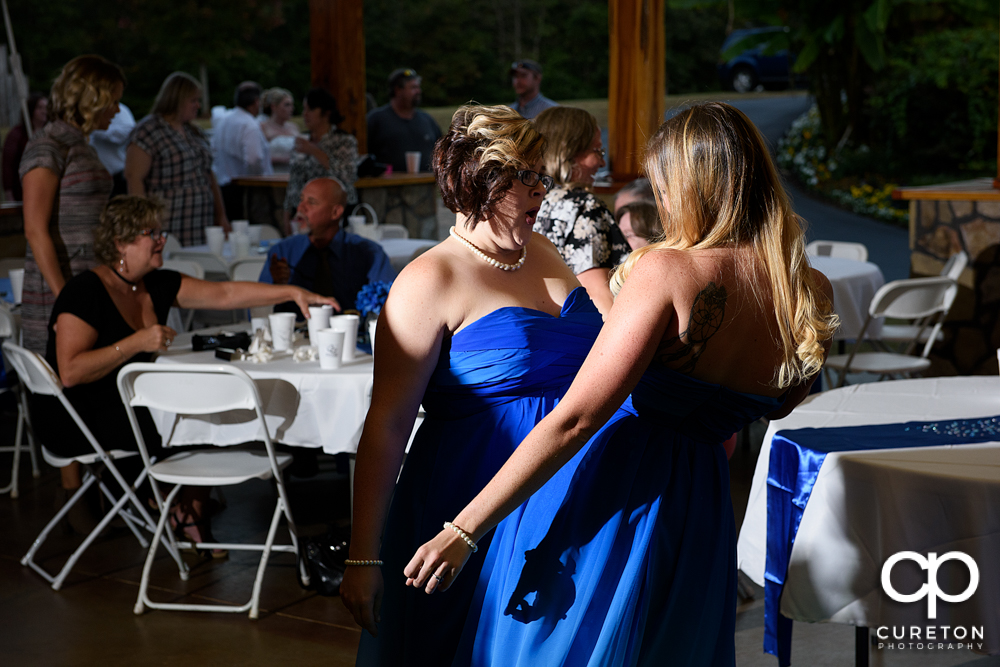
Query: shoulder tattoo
point(707, 315)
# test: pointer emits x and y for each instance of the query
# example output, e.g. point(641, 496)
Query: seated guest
point(526, 79)
point(110, 145)
point(637, 190)
point(639, 222)
point(115, 314)
point(400, 127)
point(326, 259)
point(17, 139)
point(239, 147)
point(327, 152)
point(278, 129)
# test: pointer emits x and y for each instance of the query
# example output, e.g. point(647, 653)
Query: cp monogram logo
point(930, 590)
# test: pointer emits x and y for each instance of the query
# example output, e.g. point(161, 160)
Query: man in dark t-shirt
point(400, 127)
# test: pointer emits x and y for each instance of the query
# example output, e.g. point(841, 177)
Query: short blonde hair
point(716, 185)
point(175, 89)
point(122, 220)
point(273, 96)
point(84, 88)
point(568, 132)
point(476, 162)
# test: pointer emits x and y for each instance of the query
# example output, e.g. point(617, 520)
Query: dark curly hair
point(320, 98)
point(477, 161)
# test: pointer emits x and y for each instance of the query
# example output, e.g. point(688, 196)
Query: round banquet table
point(867, 505)
point(854, 284)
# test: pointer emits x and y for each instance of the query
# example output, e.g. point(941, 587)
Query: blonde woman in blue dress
point(622, 552)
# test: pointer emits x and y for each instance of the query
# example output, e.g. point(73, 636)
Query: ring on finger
point(439, 578)
point(169, 341)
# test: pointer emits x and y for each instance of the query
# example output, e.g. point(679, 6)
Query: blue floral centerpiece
point(369, 303)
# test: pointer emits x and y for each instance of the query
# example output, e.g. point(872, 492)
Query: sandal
point(182, 534)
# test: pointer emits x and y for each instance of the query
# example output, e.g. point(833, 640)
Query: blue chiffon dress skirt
point(495, 380)
point(627, 556)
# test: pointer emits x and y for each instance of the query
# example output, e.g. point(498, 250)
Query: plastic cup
point(413, 162)
point(356, 222)
point(216, 238)
point(330, 345)
point(259, 323)
point(373, 324)
point(319, 318)
point(241, 244)
point(254, 232)
point(349, 325)
point(17, 283)
point(240, 226)
point(282, 330)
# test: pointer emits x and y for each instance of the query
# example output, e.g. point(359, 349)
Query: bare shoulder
point(431, 273)
point(823, 283)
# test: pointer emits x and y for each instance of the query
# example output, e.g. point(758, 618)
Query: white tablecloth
point(854, 284)
point(303, 404)
point(867, 506)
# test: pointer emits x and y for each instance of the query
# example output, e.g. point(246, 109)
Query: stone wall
point(938, 229)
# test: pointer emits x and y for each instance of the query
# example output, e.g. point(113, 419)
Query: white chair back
point(914, 298)
point(841, 249)
point(187, 267)
point(190, 389)
point(955, 265)
point(267, 232)
point(215, 267)
point(170, 246)
point(33, 370)
point(247, 269)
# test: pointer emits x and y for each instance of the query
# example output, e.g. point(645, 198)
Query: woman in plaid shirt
point(169, 158)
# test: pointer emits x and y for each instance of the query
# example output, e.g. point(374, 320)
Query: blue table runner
point(796, 458)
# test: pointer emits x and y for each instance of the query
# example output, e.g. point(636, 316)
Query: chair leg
point(29, 558)
point(255, 597)
point(143, 599)
point(24, 417)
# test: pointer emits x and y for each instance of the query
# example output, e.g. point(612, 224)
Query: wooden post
point(996, 181)
point(337, 43)
point(636, 81)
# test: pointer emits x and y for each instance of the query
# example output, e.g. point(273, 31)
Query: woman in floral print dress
point(576, 221)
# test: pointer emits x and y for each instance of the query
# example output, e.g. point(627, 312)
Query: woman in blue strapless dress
point(487, 331)
point(619, 546)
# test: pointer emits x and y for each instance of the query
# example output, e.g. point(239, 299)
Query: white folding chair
point(905, 334)
point(40, 379)
point(247, 269)
point(198, 389)
point(215, 267)
point(267, 232)
point(393, 232)
point(921, 300)
point(170, 246)
point(188, 268)
point(10, 330)
point(843, 249)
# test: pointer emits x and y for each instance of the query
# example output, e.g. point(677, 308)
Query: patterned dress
point(84, 187)
point(582, 228)
point(180, 175)
point(342, 149)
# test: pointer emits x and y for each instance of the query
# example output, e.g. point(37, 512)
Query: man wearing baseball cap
point(399, 126)
point(526, 77)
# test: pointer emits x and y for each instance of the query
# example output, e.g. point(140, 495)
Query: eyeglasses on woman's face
point(156, 234)
point(533, 178)
point(600, 151)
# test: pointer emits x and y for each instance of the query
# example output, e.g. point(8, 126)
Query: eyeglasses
point(155, 234)
point(533, 178)
point(600, 151)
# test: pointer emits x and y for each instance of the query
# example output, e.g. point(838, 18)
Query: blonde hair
point(176, 88)
point(568, 132)
point(715, 185)
point(476, 162)
point(84, 88)
point(122, 220)
point(272, 97)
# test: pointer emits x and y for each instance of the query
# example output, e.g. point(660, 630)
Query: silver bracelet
point(461, 533)
point(363, 562)
point(118, 350)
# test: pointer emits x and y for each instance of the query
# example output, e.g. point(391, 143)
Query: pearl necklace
point(486, 258)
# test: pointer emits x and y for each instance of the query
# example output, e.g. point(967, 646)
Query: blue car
point(757, 65)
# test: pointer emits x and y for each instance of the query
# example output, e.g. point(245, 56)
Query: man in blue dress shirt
point(324, 258)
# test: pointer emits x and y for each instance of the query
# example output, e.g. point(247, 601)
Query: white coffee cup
point(17, 283)
point(216, 238)
point(319, 318)
point(349, 325)
point(373, 324)
point(240, 226)
point(241, 244)
point(254, 232)
point(282, 330)
point(413, 162)
point(356, 222)
point(330, 345)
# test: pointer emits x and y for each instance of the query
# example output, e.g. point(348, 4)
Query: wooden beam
point(337, 45)
point(636, 82)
